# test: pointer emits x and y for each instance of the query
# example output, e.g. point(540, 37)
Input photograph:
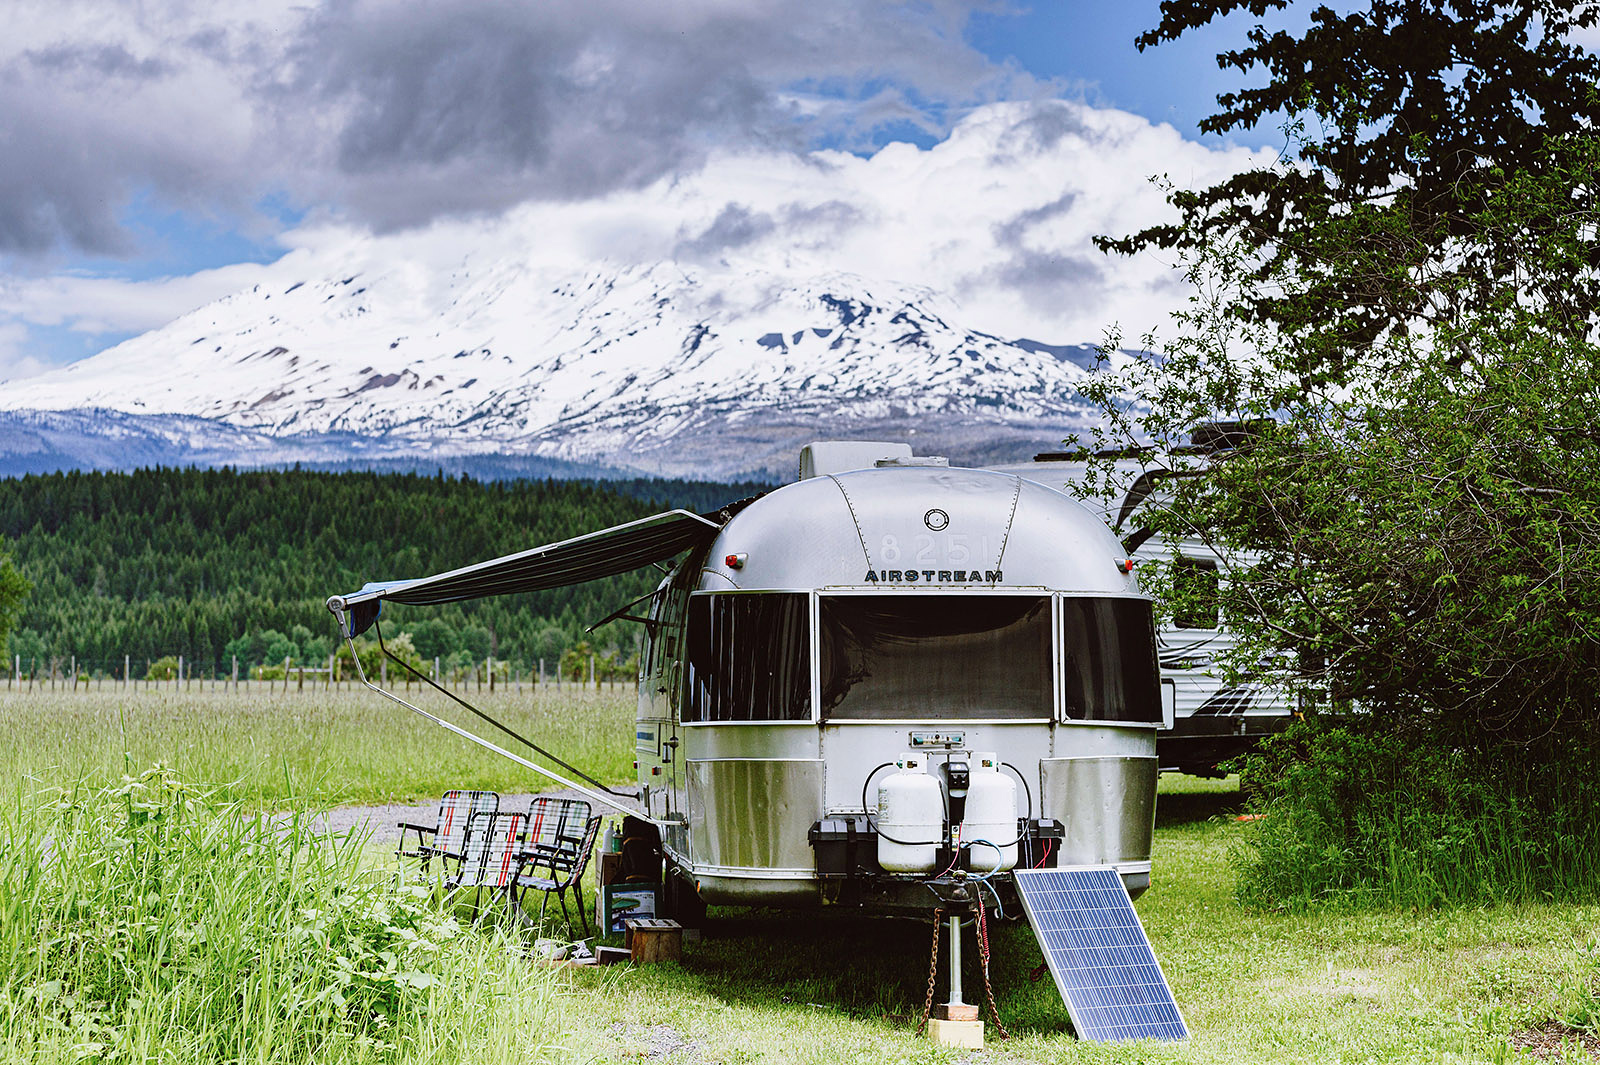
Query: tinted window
point(1108, 657)
point(918, 656)
point(749, 658)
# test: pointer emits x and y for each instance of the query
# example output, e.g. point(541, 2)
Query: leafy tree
point(165, 668)
point(433, 638)
point(1401, 324)
point(1405, 118)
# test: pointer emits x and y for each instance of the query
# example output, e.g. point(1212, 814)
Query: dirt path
point(383, 820)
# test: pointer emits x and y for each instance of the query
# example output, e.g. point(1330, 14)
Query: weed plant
point(1364, 817)
point(345, 746)
point(148, 921)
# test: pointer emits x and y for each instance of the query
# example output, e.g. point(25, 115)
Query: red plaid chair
point(446, 840)
point(492, 853)
point(556, 825)
point(555, 870)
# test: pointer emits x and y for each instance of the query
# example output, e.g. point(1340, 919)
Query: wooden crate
point(652, 939)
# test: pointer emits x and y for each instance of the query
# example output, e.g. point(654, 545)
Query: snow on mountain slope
point(665, 369)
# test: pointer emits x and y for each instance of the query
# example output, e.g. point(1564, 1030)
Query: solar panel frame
point(1098, 954)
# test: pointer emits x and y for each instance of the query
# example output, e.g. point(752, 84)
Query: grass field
point(1447, 986)
point(348, 746)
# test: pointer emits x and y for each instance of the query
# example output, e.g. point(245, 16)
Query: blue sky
point(155, 149)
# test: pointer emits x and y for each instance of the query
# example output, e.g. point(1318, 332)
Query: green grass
point(152, 922)
point(1446, 986)
point(346, 746)
point(1313, 986)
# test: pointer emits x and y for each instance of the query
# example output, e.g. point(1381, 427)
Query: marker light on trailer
point(735, 561)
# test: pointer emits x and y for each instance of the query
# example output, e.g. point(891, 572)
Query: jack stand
point(954, 1023)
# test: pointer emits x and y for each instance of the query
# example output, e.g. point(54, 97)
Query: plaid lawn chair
point(556, 825)
point(446, 840)
point(558, 870)
point(490, 857)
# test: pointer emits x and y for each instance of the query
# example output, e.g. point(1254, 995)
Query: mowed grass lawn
point(1327, 986)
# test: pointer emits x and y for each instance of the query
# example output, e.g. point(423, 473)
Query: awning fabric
point(584, 558)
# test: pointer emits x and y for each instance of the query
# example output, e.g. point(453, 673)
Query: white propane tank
point(991, 815)
point(910, 809)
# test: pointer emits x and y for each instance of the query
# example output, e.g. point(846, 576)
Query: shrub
point(1361, 812)
point(162, 669)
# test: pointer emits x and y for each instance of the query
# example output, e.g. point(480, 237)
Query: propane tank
point(991, 815)
point(910, 809)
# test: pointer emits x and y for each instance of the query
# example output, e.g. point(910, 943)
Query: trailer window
point(1108, 659)
point(918, 656)
point(749, 658)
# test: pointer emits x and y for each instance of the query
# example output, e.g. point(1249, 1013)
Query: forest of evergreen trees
point(209, 564)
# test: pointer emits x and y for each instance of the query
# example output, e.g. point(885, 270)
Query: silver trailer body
point(1206, 721)
point(840, 622)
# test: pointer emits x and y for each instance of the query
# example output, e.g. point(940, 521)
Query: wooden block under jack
point(955, 1011)
point(967, 1035)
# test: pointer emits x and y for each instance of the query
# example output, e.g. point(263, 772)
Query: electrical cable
point(1025, 789)
point(873, 824)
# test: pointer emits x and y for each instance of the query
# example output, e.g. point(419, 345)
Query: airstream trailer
point(888, 676)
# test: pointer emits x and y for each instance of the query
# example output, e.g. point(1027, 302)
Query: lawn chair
point(556, 825)
point(491, 854)
point(555, 870)
point(447, 838)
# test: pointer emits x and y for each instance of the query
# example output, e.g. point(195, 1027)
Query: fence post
point(329, 686)
point(236, 674)
point(383, 671)
point(488, 667)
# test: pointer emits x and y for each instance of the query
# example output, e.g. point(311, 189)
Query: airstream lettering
point(819, 725)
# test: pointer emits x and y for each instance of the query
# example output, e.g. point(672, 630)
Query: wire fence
point(172, 673)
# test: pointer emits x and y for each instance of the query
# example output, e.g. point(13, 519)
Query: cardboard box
point(618, 902)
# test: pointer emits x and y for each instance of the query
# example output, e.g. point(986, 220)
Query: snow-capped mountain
point(664, 369)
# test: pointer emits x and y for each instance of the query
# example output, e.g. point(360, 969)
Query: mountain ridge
point(662, 370)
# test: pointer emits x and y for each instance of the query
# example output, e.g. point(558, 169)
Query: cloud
point(995, 216)
point(395, 113)
point(109, 305)
point(16, 361)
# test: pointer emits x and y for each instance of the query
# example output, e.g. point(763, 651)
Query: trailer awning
point(605, 553)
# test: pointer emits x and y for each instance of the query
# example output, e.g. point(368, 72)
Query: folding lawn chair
point(447, 838)
point(556, 825)
point(555, 870)
point(490, 858)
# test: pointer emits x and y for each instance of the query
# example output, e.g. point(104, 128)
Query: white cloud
point(16, 361)
point(998, 216)
point(111, 305)
point(397, 113)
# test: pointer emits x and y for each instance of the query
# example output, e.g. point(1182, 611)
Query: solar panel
point(1098, 953)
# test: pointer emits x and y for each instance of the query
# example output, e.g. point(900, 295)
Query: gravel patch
point(383, 821)
point(656, 1042)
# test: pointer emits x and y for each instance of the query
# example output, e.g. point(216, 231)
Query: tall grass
point(338, 747)
point(147, 921)
point(1365, 818)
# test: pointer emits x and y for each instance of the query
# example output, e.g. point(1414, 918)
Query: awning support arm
point(344, 630)
point(378, 630)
